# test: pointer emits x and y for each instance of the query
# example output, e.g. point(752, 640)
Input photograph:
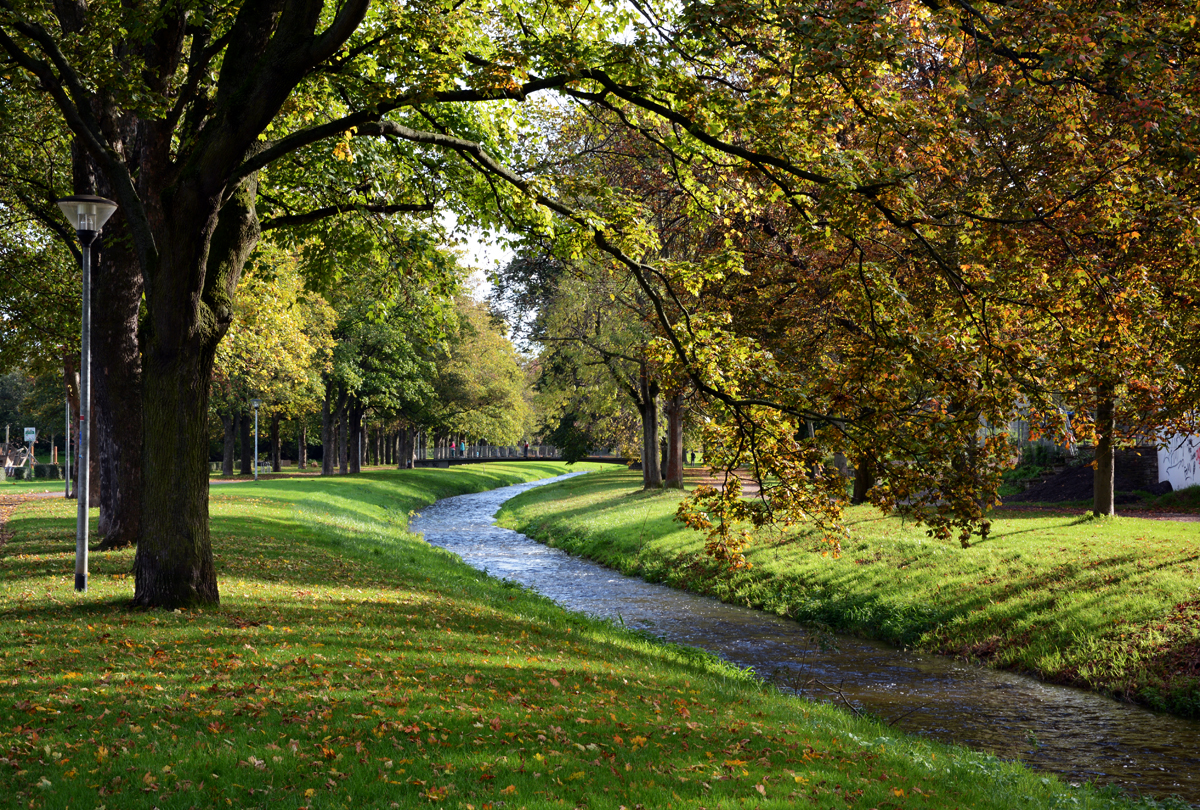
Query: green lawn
point(1113, 604)
point(350, 665)
point(13, 487)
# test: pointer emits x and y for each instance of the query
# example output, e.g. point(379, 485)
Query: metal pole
point(85, 396)
point(67, 447)
point(256, 442)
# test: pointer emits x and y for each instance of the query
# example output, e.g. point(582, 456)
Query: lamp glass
point(87, 213)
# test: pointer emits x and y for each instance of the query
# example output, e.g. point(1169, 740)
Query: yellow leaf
point(510, 789)
point(897, 791)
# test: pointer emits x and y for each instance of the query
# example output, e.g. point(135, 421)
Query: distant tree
point(278, 345)
point(479, 382)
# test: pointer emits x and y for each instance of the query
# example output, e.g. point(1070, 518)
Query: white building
point(1179, 461)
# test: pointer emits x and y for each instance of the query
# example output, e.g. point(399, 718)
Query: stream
point(1076, 734)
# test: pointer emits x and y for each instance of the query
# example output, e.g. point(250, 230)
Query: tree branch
point(289, 220)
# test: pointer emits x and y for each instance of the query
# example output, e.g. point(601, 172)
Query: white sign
point(31, 434)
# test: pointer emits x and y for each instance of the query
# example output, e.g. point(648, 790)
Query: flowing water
point(1076, 734)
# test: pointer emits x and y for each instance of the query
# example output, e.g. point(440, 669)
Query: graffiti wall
point(1179, 461)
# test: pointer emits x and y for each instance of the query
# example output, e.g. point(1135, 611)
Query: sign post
point(30, 438)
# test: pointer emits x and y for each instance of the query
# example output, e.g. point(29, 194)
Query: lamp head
point(87, 213)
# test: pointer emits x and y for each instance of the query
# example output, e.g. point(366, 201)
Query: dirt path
point(696, 476)
point(1140, 514)
point(265, 477)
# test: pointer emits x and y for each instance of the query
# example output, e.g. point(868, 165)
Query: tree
point(278, 345)
point(175, 108)
point(592, 325)
point(479, 383)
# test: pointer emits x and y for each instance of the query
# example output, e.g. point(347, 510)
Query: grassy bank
point(350, 665)
point(1112, 605)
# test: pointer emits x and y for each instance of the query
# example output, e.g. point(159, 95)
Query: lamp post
point(87, 215)
point(255, 403)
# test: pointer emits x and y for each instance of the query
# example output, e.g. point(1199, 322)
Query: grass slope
point(350, 665)
point(1107, 604)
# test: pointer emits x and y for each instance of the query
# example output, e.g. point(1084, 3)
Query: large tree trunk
point(174, 563)
point(1103, 476)
point(244, 422)
point(355, 437)
point(117, 395)
point(404, 450)
point(343, 438)
point(275, 443)
point(651, 471)
point(327, 435)
point(674, 413)
point(71, 387)
point(229, 425)
point(301, 444)
point(864, 478)
point(116, 366)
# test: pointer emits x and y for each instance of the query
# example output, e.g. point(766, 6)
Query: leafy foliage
point(279, 343)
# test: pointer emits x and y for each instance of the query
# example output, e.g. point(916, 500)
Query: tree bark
point(1103, 476)
point(185, 321)
point(864, 478)
point(674, 413)
point(404, 452)
point(275, 443)
point(326, 435)
point(301, 444)
point(651, 471)
point(355, 437)
point(229, 424)
point(343, 437)
point(174, 563)
point(116, 361)
point(245, 420)
point(116, 396)
point(71, 388)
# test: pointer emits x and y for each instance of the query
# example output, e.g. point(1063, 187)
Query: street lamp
point(255, 403)
point(87, 215)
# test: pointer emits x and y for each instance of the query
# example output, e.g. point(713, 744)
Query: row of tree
point(358, 369)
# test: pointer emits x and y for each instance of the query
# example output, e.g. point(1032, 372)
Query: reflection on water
point(1074, 733)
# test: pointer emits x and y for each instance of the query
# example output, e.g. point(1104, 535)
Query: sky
point(481, 252)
